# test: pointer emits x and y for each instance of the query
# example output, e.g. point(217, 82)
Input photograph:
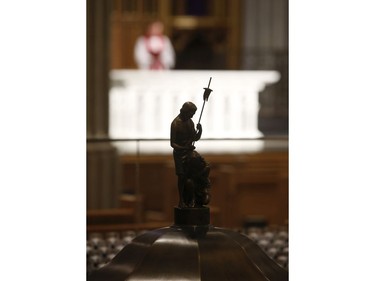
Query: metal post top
point(177, 253)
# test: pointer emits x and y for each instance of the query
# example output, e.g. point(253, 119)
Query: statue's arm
point(199, 132)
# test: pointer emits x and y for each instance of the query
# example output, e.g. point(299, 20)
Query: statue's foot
point(182, 205)
point(192, 204)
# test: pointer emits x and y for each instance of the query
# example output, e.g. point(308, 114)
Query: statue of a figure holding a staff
point(191, 168)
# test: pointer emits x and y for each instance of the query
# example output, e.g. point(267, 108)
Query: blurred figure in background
point(154, 50)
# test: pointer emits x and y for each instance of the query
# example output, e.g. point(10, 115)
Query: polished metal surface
point(191, 253)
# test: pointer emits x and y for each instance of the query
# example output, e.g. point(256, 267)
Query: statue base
point(192, 216)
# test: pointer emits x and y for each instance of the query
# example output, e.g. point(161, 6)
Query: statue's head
point(188, 109)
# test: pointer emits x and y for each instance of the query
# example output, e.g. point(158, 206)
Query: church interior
point(131, 182)
point(287, 133)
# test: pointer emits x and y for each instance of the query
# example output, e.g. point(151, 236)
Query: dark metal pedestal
point(191, 216)
point(195, 251)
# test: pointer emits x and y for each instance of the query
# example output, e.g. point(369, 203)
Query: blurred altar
point(143, 103)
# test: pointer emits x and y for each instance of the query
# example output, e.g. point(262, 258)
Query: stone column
point(265, 47)
point(103, 189)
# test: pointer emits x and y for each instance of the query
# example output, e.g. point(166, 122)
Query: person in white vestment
point(154, 50)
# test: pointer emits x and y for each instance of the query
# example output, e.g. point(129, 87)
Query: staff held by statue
point(206, 94)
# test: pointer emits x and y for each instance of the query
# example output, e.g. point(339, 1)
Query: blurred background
point(243, 46)
point(144, 59)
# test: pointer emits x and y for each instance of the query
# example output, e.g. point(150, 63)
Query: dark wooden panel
point(242, 186)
